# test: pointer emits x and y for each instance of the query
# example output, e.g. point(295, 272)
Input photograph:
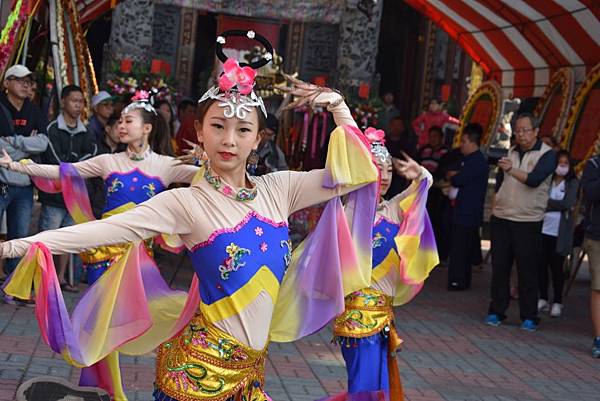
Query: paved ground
point(448, 354)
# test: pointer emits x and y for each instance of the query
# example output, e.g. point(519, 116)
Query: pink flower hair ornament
point(375, 135)
point(376, 138)
point(236, 76)
point(141, 100)
point(141, 95)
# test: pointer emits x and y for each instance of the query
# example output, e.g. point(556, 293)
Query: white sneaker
point(556, 310)
point(543, 305)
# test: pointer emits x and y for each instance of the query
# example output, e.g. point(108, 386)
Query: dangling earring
point(252, 161)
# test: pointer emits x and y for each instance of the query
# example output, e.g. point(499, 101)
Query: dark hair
point(474, 131)
point(171, 124)
point(534, 121)
point(397, 118)
point(67, 90)
point(571, 174)
point(185, 103)
point(112, 120)
point(204, 106)
point(552, 139)
point(436, 128)
point(159, 138)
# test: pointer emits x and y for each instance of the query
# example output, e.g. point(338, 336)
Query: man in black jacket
point(590, 184)
point(70, 142)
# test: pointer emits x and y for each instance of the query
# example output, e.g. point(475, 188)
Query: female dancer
point(130, 178)
point(248, 284)
point(403, 255)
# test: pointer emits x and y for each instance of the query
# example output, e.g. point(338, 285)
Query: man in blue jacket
point(469, 186)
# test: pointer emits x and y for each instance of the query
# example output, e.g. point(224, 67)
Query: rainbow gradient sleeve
point(130, 309)
point(415, 243)
point(334, 259)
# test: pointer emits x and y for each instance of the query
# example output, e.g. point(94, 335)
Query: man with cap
point(22, 134)
point(102, 105)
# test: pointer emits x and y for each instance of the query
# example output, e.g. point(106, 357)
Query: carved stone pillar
point(358, 45)
point(131, 34)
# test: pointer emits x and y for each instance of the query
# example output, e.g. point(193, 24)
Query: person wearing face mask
point(557, 232)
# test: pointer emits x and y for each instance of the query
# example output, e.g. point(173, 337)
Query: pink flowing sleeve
point(334, 259)
point(415, 241)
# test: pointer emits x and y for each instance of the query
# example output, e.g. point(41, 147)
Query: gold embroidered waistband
point(205, 363)
point(104, 253)
point(109, 252)
point(366, 313)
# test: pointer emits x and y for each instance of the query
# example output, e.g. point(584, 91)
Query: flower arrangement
point(9, 33)
point(366, 115)
point(140, 79)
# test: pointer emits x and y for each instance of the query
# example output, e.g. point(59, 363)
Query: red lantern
point(363, 90)
point(126, 65)
point(445, 92)
point(156, 66)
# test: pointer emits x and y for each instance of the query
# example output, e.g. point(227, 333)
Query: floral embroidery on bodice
point(235, 265)
point(130, 187)
point(384, 232)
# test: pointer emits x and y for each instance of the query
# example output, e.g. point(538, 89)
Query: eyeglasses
point(523, 130)
point(23, 81)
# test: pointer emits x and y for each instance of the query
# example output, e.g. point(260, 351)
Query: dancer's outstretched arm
point(165, 213)
point(88, 168)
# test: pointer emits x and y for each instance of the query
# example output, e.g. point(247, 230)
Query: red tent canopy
point(520, 43)
point(89, 10)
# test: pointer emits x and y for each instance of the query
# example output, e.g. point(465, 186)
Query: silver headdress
point(142, 100)
point(234, 103)
point(380, 152)
point(376, 138)
point(234, 91)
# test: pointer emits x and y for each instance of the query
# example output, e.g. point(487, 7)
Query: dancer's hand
point(407, 168)
point(310, 95)
point(5, 160)
point(195, 155)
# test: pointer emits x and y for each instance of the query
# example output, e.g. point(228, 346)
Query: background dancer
point(404, 253)
point(130, 178)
